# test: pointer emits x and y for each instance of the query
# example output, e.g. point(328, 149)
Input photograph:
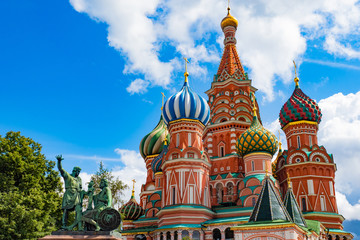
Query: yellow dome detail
point(229, 21)
point(256, 139)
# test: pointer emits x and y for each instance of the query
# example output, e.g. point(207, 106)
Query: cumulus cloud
point(349, 211)
point(340, 134)
point(270, 35)
point(134, 168)
point(137, 86)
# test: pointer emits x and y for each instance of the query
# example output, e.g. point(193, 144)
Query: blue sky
point(84, 77)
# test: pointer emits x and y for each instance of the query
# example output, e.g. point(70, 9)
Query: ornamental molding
point(297, 154)
point(314, 154)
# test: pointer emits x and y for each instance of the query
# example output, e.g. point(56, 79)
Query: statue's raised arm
point(59, 159)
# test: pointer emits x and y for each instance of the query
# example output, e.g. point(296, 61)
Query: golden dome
point(229, 21)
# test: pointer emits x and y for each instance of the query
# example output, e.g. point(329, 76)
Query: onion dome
point(256, 139)
point(131, 210)
point(152, 143)
point(186, 104)
point(229, 21)
point(299, 107)
point(156, 162)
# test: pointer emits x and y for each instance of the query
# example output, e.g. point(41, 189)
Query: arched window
point(310, 140)
point(196, 235)
point(222, 151)
point(219, 193)
point(216, 234)
point(303, 204)
point(173, 196)
point(168, 236)
point(177, 140)
point(252, 166)
point(230, 188)
point(189, 139)
point(175, 235)
point(184, 234)
point(229, 234)
point(161, 236)
point(298, 141)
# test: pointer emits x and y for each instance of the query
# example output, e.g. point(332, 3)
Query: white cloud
point(340, 134)
point(270, 35)
point(349, 211)
point(134, 168)
point(137, 86)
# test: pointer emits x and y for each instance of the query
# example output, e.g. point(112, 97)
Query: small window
point(189, 140)
point(173, 196)
point(153, 213)
point(252, 166)
point(317, 159)
point(253, 202)
point(175, 156)
point(322, 203)
point(190, 155)
point(222, 151)
point(303, 204)
point(310, 141)
point(298, 141)
point(298, 160)
point(177, 140)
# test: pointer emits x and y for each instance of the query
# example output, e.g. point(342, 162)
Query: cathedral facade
point(210, 173)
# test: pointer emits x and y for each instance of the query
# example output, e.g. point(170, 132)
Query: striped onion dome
point(299, 107)
point(152, 143)
point(256, 139)
point(131, 210)
point(156, 162)
point(186, 104)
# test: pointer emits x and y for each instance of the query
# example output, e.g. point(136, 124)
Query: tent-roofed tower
point(231, 114)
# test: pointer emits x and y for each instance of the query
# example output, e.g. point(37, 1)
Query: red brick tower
point(310, 168)
point(186, 166)
point(231, 115)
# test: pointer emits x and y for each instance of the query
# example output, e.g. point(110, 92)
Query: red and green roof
point(299, 107)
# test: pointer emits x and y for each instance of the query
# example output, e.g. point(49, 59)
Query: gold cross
point(254, 104)
point(228, 7)
point(133, 190)
point(279, 141)
point(296, 79)
point(186, 62)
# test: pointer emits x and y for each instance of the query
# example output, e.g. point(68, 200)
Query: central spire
point(230, 60)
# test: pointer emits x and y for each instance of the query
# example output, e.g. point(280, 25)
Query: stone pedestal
point(88, 235)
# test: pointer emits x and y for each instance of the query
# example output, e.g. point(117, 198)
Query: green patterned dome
point(256, 139)
point(131, 210)
point(153, 142)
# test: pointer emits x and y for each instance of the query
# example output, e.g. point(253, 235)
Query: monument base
point(88, 235)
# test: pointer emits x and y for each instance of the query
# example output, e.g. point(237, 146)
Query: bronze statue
point(72, 196)
point(100, 217)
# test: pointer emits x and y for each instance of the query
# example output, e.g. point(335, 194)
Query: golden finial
point(186, 74)
point(288, 180)
point(254, 104)
point(296, 79)
point(165, 141)
point(279, 141)
point(228, 7)
point(162, 101)
point(133, 190)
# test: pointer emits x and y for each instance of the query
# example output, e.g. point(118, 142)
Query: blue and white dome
point(186, 104)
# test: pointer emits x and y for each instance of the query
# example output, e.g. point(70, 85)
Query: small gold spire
point(296, 79)
point(186, 74)
point(133, 190)
point(279, 141)
point(162, 102)
point(228, 7)
point(165, 141)
point(288, 180)
point(254, 105)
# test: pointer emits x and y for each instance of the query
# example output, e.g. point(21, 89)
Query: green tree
point(30, 189)
point(116, 185)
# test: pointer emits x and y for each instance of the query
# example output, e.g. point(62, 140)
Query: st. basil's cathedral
point(210, 173)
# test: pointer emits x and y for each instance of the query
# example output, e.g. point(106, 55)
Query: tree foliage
point(30, 189)
point(116, 185)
